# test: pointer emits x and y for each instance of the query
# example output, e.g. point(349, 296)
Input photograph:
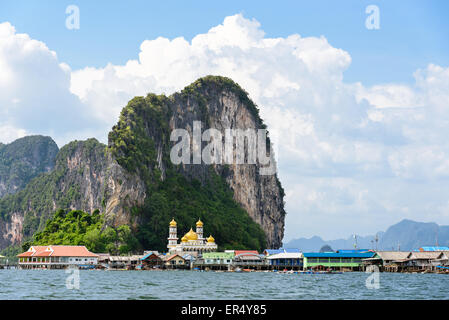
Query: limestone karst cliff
point(24, 159)
point(76, 182)
point(134, 182)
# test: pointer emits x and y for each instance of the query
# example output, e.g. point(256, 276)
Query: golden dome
point(210, 239)
point(199, 223)
point(184, 239)
point(191, 235)
point(172, 223)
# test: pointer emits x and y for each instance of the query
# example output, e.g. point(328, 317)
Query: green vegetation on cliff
point(131, 143)
point(187, 201)
point(140, 143)
point(24, 159)
point(44, 193)
point(224, 83)
point(81, 228)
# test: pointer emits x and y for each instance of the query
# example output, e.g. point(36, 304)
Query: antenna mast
point(436, 236)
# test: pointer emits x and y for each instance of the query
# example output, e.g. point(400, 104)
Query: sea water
point(95, 284)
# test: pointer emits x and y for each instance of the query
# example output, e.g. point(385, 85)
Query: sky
point(361, 113)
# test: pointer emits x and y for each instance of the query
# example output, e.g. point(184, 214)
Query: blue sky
point(412, 34)
point(361, 115)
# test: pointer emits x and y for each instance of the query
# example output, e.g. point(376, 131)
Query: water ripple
point(142, 285)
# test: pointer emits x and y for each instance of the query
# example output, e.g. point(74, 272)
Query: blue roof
point(282, 250)
point(338, 255)
point(352, 250)
point(435, 248)
point(273, 251)
point(147, 255)
point(189, 257)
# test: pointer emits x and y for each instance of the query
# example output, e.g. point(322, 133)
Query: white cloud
point(350, 156)
point(9, 134)
point(35, 92)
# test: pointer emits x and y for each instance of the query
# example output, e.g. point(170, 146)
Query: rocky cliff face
point(134, 182)
point(122, 192)
point(24, 159)
point(218, 103)
point(76, 182)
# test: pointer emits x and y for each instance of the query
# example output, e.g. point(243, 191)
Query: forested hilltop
point(132, 182)
point(24, 159)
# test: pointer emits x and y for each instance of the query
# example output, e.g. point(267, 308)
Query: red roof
point(32, 251)
point(57, 251)
point(243, 252)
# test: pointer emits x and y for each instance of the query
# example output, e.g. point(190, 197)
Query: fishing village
point(195, 252)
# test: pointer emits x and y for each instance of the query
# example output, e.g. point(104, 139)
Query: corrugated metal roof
point(338, 255)
point(124, 258)
point(282, 250)
point(393, 255)
point(424, 255)
point(286, 255)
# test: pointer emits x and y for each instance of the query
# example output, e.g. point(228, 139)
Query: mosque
point(192, 242)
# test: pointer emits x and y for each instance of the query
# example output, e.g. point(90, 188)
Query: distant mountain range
point(405, 235)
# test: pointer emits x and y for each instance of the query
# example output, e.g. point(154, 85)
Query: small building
point(405, 261)
point(57, 257)
point(389, 261)
point(286, 260)
point(152, 260)
point(103, 260)
point(442, 260)
point(420, 261)
point(215, 261)
point(336, 260)
point(190, 259)
point(175, 261)
point(124, 262)
point(249, 259)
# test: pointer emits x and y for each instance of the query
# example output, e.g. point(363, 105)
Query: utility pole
point(436, 236)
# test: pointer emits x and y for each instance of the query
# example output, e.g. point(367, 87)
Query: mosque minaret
point(173, 238)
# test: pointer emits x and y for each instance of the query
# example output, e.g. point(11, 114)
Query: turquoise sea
point(93, 284)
